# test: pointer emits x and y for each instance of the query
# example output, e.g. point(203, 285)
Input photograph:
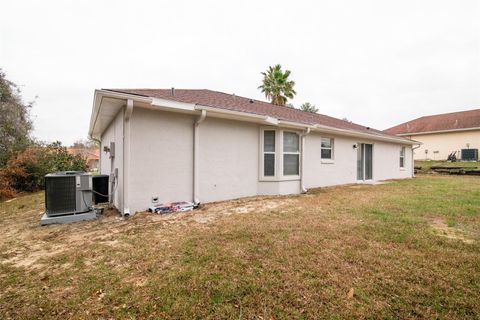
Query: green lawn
point(408, 249)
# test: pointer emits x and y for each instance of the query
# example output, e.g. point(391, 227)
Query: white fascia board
point(438, 131)
point(238, 115)
point(126, 96)
point(94, 114)
point(271, 120)
point(370, 136)
point(172, 104)
point(295, 125)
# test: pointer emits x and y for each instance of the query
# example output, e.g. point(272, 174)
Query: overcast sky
point(378, 63)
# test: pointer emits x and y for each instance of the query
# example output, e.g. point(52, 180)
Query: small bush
point(6, 192)
point(26, 170)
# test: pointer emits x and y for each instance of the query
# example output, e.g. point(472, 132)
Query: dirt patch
point(441, 228)
point(211, 212)
point(31, 257)
point(35, 244)
point(248, 205)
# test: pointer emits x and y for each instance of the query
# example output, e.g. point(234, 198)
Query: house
point(442, 134)
point(163, 145)
point(91, 156)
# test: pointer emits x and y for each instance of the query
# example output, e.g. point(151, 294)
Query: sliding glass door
point(368, 161)
point(364, 161)
point(360, 152)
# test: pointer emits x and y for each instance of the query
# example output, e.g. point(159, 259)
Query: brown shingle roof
point(439, 122)
point(231, 102)
point(88, 154)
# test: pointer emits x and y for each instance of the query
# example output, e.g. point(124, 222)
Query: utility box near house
point(100, 188)
point(68, 197)
point(470, 154)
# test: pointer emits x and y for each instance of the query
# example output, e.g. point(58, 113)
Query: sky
point(377, 63)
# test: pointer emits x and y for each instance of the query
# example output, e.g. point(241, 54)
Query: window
point(282, 165)
point(402, 157)
point(269, 153)
point(327, 148)
point(291, 153)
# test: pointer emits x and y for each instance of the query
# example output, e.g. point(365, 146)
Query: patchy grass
point(406, 249)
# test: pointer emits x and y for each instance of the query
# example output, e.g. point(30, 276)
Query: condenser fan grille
point(60, 195)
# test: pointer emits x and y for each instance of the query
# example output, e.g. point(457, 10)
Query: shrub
point(26, 170)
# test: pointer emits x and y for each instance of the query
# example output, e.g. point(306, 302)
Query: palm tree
point(276, 85)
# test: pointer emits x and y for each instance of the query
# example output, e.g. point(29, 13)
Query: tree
point(307, 106)
point(27, 169)
point(85, 144)
point(15, 122)
point(276, 85)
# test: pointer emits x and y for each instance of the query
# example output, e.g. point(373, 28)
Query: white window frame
point(294, 153)
point(263, 152)
point(332, 150)
point(402, 157)
point(279, 176)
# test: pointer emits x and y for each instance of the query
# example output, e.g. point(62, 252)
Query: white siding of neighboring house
point(445, 143)
point(229, 160)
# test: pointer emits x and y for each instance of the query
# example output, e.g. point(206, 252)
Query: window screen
point(269, 153)
point(402, 157)
point(327, 148)
point(291, 153)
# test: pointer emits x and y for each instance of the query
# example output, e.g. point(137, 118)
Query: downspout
point(196, 147)
point(413, 161)
point(302, 137)
point(126, 157)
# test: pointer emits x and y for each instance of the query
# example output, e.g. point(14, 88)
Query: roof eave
point(176, 106)
point(437, 131)
point(364, 135)
point(98, 97)
point(302, 126)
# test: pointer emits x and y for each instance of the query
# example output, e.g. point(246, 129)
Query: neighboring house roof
point(454, 121)
point(233, 102)
point(87, 154)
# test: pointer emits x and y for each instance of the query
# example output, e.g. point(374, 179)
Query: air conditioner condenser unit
point(68, 192)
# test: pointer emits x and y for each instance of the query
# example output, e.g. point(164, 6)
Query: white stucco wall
point(445, 143)
point(343, 168)
point(229, 160)
point(319, 173)
point(386, 161)
point(114, 133)
point(161, 158)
